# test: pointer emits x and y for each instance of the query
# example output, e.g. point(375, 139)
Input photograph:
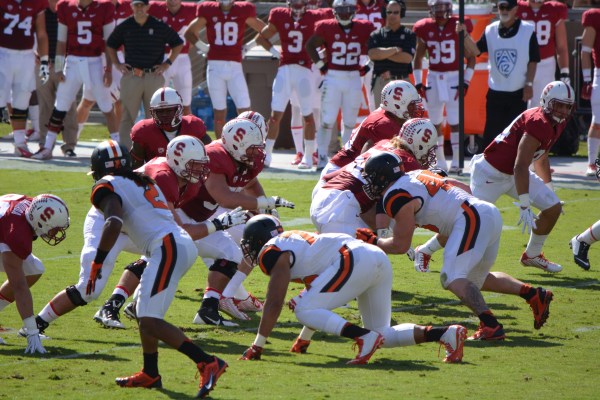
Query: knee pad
point(75, 296)
point(137, 267)
point(227, 268)
point(18, 115)
point(56, 120)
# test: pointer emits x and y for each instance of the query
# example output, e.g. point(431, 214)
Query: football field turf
point(561, 360)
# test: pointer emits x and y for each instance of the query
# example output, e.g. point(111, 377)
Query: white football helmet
point(421, 136)
point(312, 4)
point(344, 11)
point(402, 99)
point(244, 141)
point(226, 3)
point(166, 108)
point(258, 119)
point(297, 7)
point(48, 215)
point(557, 92)
point(187, 158)
point(440, 9)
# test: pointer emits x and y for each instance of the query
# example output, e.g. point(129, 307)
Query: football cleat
point(227, 305)
point(32, 135)
point(209, 375)
point(23, 151)
point(453, 340)
point(315, 158)
point(109, 318)
point(580, 252)
point(540, 305)
point(300, 346)
point(298, 158)
point(304, 165)
point(367, 346)
point(421, 260)
point(42, 154)
point(206, 316)
point(322, 162)
point(141, 379)
point(590, 170)
point(130, 311)
point(486, 333)
point(41, 326)
point(540, 262)
point(69, 153)
point(249, 304)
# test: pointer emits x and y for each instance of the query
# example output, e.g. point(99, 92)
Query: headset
point(399, 2)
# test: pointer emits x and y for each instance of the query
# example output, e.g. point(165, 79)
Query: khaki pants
point(46, 95)
point(380, 82)
point(135, 91)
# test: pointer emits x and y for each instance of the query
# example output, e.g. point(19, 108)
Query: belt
point(141, 71)
point(395, 77)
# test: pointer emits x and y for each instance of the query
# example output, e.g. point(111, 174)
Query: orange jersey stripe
point(471, 228)
point(344, 272)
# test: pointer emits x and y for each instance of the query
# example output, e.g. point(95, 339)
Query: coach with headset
point(391, 48)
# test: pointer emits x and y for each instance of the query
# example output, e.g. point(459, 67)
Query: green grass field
point(559, 361)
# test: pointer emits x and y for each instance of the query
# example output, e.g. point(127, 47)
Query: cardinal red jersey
point(544, 21)
point(85, 26)
point(17, 22)
point(203, 205)
point(502, 152)
point(350, 178)
point(294, 34)
point(15, 231)
point(591, 18)
point(326, 13)
point(153, 139)
point(370, 12)
point(344, 49)
point(442, 44)
point(122, 11)
point(375, 127)
point(166, 179)
point(178, 21)
point(225, 32)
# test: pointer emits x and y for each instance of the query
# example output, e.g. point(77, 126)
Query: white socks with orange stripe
point(590, 235)
point(399, 335)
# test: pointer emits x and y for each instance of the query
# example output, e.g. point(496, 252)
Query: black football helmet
point(257, 232)
point(109, 157)
point(381, 170)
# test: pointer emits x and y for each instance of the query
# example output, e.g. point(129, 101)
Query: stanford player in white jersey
point(19, 22)
point(83, 65)
point(437, 36)
point(178, 15)
point(225, 23)
point(345, 40)
point(295, 25)
point(590, 62)
point(548, 18)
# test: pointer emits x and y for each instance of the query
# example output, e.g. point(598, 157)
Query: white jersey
point(441, 201)
point(312, 253)
point(146, 216)
point(508, 57)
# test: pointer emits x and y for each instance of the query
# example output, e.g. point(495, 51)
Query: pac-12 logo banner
point(505, 61)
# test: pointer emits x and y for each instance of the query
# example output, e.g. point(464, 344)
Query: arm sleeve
point(534, 49)
point(482, 44)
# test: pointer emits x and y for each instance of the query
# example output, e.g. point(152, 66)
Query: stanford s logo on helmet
point(556, 93)
point(244, 141)
point(48, 215)
point(258, 119)
point(166, 108)
point(109, 157)
point(257, 232)
point(421, 136)
point(402, 99)
point(187, 158)
point(381, 170)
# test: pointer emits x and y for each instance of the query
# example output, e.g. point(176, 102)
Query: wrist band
point(168, 61)
point(418, 75)
point(469, 74)
point(210, 227)
point(100, 256)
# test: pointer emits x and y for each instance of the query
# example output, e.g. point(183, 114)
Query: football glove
point(527, 218)
point(586, 90)
point(95, 274)
point(252, 353)
point(44, 72)
point(366, 235)
point(439, 172)
point(230, 218)
point(465, 86)
point(34, 343)
point(364, 69)
point(422, 89)
point(269, 203)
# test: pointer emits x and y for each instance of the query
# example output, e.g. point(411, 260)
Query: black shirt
point(385, 37)
point(144, 44)
point(52, 31)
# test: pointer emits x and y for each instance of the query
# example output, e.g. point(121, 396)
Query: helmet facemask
point(167, 118)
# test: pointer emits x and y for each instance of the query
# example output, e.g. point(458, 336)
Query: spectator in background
point(391, 48)
point(178, 16)
point(548, 18)
point(46, 92)
point(590, 51)
point(144, 39)
point(513, 56)
point(225, 23)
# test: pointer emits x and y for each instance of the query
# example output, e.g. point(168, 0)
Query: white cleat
point(249, 304)
point(43, 154)
point(590, 170)
point(108, 318)
point(23, 151)
point(421, 260)
point(367, 346)
point(453, 340)
point(212, 320)
point(227, 305)
point(540, 262)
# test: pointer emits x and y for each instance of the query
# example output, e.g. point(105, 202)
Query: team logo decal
point(215, 19)
point(337, 36)
point(165, 19)
point(286, 25)
point(161, 150)
point(9, 7)
point(505, 61)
